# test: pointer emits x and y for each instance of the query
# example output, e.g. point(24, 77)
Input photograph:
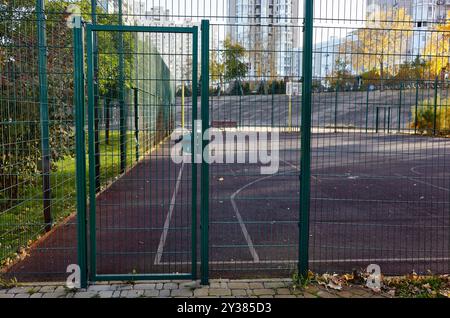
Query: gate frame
point(87, 241)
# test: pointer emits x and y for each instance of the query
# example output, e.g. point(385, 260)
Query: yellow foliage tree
point(381, 45)
point(437, 50)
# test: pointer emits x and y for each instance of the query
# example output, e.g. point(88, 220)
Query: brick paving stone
point(263, 292)
point(151, 293)
point(132, 293)
point(325, 294)
point(359, 291)
point(55, 295)
point(201, 292)
point(283, 291)
point(238, 285)
point(238, 292)
point(18, 290)
point(222, 285)
point(105, 293)
point(164, 293)
point(345, 294)
point(145, 286)
point(122, 287)
point(312, 289)
point(116, 294)
point(278, 288)
point(97, 288)
point(219, 292)
point(85, 294)
point(170, 286)
point(256, 285)
point(48, 289)
point(181, 292)
point(274, 285)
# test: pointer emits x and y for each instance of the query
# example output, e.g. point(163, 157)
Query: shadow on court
point(380, 199)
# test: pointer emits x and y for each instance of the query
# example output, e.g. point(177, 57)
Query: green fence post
point(435, 106)
point(400, 108)
point(80, 140)
point(194, 146)
point(123, 119)
point(416, 117)
point(44, 115)
point(273, 104)
point(389, 120)
point(336, 108)
point(305, 164)
point(367, 109)
point(377, 119)
point(205, 166)
point(107, 112)
point(240, 103)
point(91, 141)
point(136, 122)
point(96, 99)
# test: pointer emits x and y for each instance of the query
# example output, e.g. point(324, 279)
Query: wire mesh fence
point(37, 139)
point(379, 147)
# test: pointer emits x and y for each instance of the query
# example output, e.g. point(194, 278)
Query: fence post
point(204, 223)
point(273, 104)
point(367, 109)
point(400, 108)
point(123, 120)
point(377, 119)
point(435, 106)
point(44, 115)
point(240, 104)
point(96, 99)
point(80, 140)
point(136, 122)
point(194, 146)
point(416, 118)
point(336, 108)
point(305, 164)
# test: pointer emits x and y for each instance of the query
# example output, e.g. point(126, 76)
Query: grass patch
point(23, 223)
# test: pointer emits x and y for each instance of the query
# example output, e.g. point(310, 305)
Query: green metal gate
point(142, 219)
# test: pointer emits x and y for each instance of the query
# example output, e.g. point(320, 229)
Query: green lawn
point(24, 223)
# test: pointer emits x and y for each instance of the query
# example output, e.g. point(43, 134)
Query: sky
point(343, 14)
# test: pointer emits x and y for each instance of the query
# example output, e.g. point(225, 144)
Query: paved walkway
point(266, 288)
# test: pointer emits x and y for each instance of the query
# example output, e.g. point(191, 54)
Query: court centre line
point(162, 241)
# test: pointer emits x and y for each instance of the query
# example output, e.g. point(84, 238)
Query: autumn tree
point(217, 69)
point(341, 75)
point(381, 44)
point(437, 50)
point(233, 58)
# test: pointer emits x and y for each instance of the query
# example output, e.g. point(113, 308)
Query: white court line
point(355, 260)
point(247, 237)
point(162, 241)
point(423, 182)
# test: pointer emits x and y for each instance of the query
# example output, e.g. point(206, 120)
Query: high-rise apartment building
point(269, 30)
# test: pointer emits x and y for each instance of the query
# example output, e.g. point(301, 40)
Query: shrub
point(426, 117)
